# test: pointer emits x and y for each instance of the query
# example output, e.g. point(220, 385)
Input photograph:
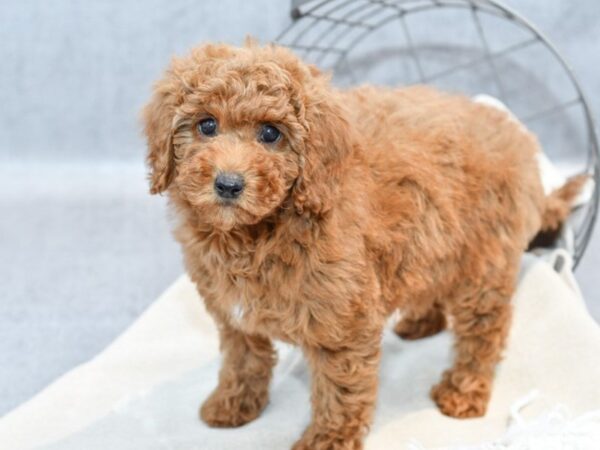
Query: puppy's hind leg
point(413, 325)
point(481, 320)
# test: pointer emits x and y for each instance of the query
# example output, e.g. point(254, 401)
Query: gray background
point(83, 247)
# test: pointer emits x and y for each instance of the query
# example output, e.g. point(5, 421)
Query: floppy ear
point(158, 118)
point(327, 144)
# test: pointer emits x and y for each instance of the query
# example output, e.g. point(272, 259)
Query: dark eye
point(208, 126)
point(269, 134)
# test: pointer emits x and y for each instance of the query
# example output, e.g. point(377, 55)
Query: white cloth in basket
point(144, 390)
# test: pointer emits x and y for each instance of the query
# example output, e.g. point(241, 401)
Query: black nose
point(229, 185)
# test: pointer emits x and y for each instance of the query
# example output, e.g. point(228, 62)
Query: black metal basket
point(469, 46)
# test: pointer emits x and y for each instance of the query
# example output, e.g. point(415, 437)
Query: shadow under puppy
point(309, 215)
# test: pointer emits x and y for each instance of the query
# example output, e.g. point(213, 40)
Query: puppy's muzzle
point(229, 185)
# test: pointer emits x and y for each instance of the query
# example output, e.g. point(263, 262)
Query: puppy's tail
point(558, 204)
point(557, 207)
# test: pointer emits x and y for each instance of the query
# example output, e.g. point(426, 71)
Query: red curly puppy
point(309, 215)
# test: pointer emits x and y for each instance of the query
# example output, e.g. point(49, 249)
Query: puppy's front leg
point(344, 391)
point(243, 389)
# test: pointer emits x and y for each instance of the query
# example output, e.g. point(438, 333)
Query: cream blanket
point(144, 390)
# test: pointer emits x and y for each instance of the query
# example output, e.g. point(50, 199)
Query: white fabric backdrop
point(83, 248)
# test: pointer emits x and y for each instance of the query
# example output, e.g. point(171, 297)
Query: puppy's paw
point(411, 329)
point(462, 394)
point(314, 439)
point(232, 407)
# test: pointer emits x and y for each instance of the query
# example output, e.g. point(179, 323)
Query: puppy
point(309, 215)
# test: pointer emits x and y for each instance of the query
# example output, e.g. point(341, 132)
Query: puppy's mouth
point(228, 202)
point(231, 204)
point(235, 209)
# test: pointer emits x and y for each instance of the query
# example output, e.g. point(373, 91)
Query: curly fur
point(374, 200)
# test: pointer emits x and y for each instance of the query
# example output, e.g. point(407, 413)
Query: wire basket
point(468, 46)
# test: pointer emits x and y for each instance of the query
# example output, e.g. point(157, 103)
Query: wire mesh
point(468, 46)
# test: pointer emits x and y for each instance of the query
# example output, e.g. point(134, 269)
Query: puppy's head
point(241, 133)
